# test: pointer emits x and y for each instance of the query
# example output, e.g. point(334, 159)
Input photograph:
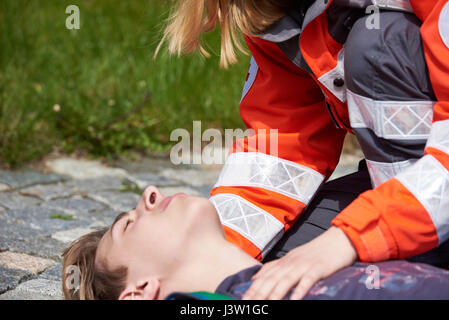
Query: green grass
point(113, 96)
point(61, 216)
point(130, 187)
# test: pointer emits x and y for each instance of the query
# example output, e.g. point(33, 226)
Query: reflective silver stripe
point(439, 136)
point(403, 120)
point(382, 171)
point(428, 181)
point(253, 169)
point(338, 72)
point(403, 5)
point(255, 224)
point(443, 24)
point(252, 73)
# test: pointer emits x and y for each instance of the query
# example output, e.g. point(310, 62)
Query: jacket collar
point(290, 25)
point(282, 30)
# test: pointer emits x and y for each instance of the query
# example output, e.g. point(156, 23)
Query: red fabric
point(243, 243)
point(286, 98)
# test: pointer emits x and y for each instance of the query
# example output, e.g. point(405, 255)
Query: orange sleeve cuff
point(370, 236)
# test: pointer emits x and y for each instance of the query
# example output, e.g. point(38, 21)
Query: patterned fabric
point(383, 171)
point(255, 169)
point(384, 281)
point(391, 119)
point(249, 220)
point(381, 281)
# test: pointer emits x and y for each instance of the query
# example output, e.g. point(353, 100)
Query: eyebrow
point(120, 216)
point(117, 219)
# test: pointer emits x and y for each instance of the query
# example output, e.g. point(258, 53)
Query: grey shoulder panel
point(288, 27)
point(397, 5)
point(282, 30)
point(388, 63)
point(286, 33)
point(354, 3)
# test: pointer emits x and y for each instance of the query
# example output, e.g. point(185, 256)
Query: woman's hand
point(303, 267)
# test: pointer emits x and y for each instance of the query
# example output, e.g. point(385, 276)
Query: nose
point(152, 197)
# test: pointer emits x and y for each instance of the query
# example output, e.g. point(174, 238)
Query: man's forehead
point(106, 241)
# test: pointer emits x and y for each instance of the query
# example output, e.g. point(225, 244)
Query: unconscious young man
point(177, 244)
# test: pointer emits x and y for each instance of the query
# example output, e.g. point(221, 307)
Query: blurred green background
point(97, 90)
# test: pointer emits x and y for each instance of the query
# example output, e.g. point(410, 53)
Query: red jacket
point(260, 195)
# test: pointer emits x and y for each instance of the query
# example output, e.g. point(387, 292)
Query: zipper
point(337, 125)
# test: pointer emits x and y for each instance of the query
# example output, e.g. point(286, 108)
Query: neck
point(205, 266)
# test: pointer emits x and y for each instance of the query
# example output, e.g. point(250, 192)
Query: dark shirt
point(381, 281)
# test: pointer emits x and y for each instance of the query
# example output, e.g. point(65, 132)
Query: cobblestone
point(27, 177)
point(120, 201)
point(192, 177)
point(36, 289)
point(48, 192)
point(92, 185)
point(145, 179)
point(10, 278)
point(45, 220)
point(83, 169)
point(13, 200)
point(78, 207)
point(4, 187)
point(53, 273)
point(14, 260)
point(71, 235)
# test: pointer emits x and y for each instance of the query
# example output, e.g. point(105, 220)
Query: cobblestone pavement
point(43, 210)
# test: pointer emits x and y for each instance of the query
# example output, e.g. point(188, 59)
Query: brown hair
point(91, 282)
point(192, 18)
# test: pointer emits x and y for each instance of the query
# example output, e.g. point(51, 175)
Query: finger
point(262, 287)
point(258, 290)
point(288, 281)
point(305, 284)
point(280, 269)
point(266, 268)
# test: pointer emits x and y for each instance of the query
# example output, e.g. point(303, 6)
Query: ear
point(147, 289)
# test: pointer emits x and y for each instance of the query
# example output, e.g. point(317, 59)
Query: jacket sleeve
point(270, 176)
point(409, 214)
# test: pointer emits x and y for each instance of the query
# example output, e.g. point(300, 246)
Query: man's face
point(156, 232)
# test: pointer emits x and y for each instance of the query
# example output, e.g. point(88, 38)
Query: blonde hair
point(189, 19)
point(93, 283)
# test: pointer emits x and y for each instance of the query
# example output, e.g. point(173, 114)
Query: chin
point(202, 208)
